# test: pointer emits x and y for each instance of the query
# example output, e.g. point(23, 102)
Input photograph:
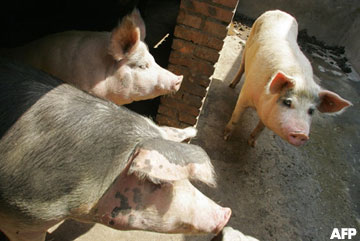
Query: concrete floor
point(276, 191)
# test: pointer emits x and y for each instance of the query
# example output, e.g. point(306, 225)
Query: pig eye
point(287, 102)
point(311, 111)
point(144, 66)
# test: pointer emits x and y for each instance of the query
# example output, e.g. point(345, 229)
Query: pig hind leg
point(255, 133)
point(178, 135)
point(237, 78)
point(235, 117)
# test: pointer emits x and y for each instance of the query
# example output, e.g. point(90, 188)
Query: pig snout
point(168, 81)
point(170, 84)
point(297, 138)
point(176, 84)
point(224, 216)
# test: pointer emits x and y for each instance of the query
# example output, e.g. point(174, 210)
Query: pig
point(116, 66)
point(66, 154)
point(279, 82)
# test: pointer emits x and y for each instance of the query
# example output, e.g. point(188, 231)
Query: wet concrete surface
point(276, 191)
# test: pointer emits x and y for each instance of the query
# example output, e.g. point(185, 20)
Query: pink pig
point(279, 82)
point(116, 66)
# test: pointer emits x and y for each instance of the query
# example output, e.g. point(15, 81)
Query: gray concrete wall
point(351, 41)
point(336, 22)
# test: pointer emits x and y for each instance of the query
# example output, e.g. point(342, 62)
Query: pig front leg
point(178, 135)
point(255, 133)
point(235, 117)
point(237, 78)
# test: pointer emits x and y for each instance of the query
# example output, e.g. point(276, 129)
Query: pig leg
point(178, 135)
point(237, 78)
point(255, 133)
point(239, 109)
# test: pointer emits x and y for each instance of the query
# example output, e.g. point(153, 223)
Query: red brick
point(166, 121)
point(203, 80)
point(182, 46)
point(180, 106)
point(193, 88)
point(169, 112)
point(207, 54)
point(188, 98)
point(198, 37)
point(193, 100)
point(216, 29)
point(227, 3)
point(179, 70)
point(184, 125)
point(180, 59)
point(189, 19)
point(195, 65)
point(202, 67)
point(179, 95)
point(207, 9)
point(189, 119)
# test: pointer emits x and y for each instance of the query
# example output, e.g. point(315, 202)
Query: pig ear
point(160, 160)
point(139, 22)
point(279, 81)
point(331, 102)
point(126, 36)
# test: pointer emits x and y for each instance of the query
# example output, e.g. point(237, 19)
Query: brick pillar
point(198, 37)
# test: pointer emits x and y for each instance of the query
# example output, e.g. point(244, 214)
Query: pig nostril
point(298, 138)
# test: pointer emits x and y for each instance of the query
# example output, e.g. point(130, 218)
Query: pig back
point(67, 55)
point(59, 146)
point(272, 46)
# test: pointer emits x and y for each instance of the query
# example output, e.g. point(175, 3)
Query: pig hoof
point(227, 135)
point(232, 85)
point(252, 142)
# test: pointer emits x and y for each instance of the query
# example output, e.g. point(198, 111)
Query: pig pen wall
point(198, 37)
point(337, 23)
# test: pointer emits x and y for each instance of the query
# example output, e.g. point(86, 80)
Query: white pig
point(279, 82)
point(116, 66)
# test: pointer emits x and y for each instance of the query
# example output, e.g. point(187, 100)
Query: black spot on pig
point(111, 222)
point(124, 206)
